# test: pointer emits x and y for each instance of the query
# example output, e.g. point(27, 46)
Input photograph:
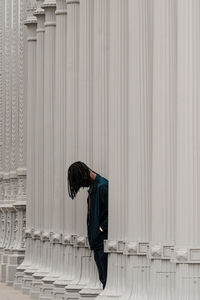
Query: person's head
point(78, 176)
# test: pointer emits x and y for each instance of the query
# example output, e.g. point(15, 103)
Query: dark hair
point(78, 174)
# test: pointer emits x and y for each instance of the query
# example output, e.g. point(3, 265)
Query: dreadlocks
point(78, 176)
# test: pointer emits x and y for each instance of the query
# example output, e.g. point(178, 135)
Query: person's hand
point(100, 229)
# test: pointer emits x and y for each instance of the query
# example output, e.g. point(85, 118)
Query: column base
point(13, 262)
point(27, 283)
point(37, 284)
point(4, 267)
point(47, 287)
point(19, 276)
point(72, 292)
point(59, 288)
point(89, 294)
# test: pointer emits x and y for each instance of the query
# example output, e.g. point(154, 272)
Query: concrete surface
point(9, 293)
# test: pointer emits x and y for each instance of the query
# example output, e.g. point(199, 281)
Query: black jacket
point(97, 212)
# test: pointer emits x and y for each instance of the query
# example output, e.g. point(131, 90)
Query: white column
point(100, 112)
point(187, 250)
point(39, 152)
point(118, 82)
point(163, 150)
point(84, 144)
point(59, 182)
point(138, 176)
point(31, 24)
point(71, 131)
point(6, 207)
point(20, 201)
point(49, 106)
point(2, 118)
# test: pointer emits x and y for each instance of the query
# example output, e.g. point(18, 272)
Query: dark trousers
point(101, 260)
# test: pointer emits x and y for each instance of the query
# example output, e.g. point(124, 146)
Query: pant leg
point(101, 260)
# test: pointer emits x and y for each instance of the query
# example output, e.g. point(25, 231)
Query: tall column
point(59, 116)
point(6, 207)
point(31, 24)
point(49, 106)
point(138, 163)
point(84, 143)
point(71, 110)
point(164, 150)
point(20, 201)
point(39, 152)
point(118, 77)
point(15, 247)
point(2, 118)
point(187, 250)
point(100, 111)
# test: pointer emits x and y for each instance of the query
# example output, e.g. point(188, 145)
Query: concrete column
point(59, 153)
point(118, 80)
point(69, 47)
point(100, 113)
point(39, 152)
point(15, 247)
point(20, 201)
point(84, 152)
point(163, 150)
point(137, 206)
point(2, 119)
point(49, 106)
point(6, 207)
point(31, 24)
point(187, 250)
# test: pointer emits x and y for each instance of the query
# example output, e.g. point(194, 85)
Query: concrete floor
point(9, 293)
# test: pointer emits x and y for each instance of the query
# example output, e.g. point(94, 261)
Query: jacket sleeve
point(104, 204)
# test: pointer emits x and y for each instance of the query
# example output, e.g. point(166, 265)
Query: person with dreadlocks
point(80, 175)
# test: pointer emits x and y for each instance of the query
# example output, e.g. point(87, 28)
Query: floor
point(9, 293)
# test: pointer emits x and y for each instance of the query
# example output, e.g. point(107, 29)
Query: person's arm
point(104, 201)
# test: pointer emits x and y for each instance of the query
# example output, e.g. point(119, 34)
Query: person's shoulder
point(103, 184)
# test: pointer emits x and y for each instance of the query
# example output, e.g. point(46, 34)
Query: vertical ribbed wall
point(188, 147)
point(163, 147)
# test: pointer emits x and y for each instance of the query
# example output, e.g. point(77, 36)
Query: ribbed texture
point(72, 121)
point(85, 102)
point(117, 118)
point(49, 98)
point(139, 116)
point(100, 86)
point(60, 118)
point(39, 127)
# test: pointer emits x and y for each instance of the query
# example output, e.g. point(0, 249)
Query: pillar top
point(39, 11)
point(31, 7)
point(72, 1)
point(30, 21)
point(49, 3)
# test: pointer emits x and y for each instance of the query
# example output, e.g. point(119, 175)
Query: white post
point(59, 148)
point(100, 112)
point(138, 176)
point(49, 106)
point(187, 250)
point(71, 132)
point(18, 213)
point(31, 24)
point(6, 208)
point(163, 149)
point(84, 144)
point(39, 152)
point(2, 123)
point(118, 82)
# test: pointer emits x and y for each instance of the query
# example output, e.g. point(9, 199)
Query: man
point(80, 175)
